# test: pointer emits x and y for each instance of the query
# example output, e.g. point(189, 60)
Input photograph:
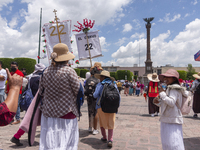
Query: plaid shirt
point(5, 115)
point(61, 86)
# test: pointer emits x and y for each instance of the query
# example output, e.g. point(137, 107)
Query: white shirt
point(2, 83)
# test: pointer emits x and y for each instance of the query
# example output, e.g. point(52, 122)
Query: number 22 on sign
point(60, 32)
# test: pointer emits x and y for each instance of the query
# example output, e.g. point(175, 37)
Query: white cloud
point(121, 41)
point(127, 27)
point(4, 3)
point(103, 43)
point(186, 15)
point(194, 2)
point(136, 24)
point(138, 35)
point(167, 19)
point(24, 42)
point(178, 51)
point(13, 23)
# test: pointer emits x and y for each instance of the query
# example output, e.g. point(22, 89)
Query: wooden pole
point(56, 19)
point(39, 35)
point(89, 49)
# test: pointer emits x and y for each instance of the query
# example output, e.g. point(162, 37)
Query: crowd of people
point(57, 88)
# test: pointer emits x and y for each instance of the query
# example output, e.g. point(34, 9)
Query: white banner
point(83, 47)
point(51, 35)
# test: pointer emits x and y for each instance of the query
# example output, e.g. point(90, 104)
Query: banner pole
point(39, 36)
point(56, 19)
point(89, 49)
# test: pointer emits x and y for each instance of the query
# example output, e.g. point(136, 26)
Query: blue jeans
point(137, 92)
point(17, 116)
point(2, 95)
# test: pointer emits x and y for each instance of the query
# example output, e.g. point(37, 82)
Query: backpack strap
point(101, 94)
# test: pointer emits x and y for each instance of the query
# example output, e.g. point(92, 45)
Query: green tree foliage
point(120, 74)
point(27, 63)
point(113, 74)
point(182, 74)
point(77, 71)
point(83, 72)
point(190, 72)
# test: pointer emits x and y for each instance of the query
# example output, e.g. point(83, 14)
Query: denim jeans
point(2, 95)
point(137, 92)
point(17, 116)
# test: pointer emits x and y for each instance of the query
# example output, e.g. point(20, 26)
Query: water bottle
point(164, 86)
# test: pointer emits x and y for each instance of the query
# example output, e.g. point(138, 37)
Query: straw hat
point(61, 53)
point(197, 76)
point(104, 73)
point(169, 73)
point(153, 77)
point(98, 65)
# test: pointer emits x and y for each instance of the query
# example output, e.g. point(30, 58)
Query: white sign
point(93, 44)
point(51, 35)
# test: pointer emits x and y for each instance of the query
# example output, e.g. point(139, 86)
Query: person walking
point(90, 86)
point(131, 88)
point(196, 97)
point(141, 88)
point(107, 120)
point(3, 78)
point(137, 89)
point(119, 86)
point(126, 87)
point(34, 85)
point(171, 118)
point(153, 92)
point(15, 70)
point(59, 88)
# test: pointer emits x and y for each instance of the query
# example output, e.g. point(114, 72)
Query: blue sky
point(175, 32)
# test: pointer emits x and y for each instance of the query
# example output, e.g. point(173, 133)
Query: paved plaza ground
point(134, 130)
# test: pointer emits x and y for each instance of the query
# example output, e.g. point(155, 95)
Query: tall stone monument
point(148, 62)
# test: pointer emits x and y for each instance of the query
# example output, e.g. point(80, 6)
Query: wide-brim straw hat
point(169, 73)
point(153, 77)
point(98, 65)
point(104, 73)
point(197, 76)
point(61, 53)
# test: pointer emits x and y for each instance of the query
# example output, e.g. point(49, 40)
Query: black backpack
point(198, 89)
point(131, 86)
point(126, 85)
point(110, 99)
point(90, 86)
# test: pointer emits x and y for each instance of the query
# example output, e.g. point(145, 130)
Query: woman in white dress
point(60, 83)
point(171, 118)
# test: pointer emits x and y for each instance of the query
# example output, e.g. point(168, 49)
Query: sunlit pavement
point(134, 130)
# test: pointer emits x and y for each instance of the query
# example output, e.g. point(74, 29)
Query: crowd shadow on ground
point(25, 144)
point(95, 143)
point(192, 143)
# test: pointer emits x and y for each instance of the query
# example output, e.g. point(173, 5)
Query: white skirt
point(171, 136)
point(59, 134)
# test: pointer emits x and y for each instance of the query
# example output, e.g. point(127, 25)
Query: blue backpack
point(26, 98)
point(80, 99)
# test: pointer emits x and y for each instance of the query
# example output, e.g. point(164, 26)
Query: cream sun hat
point(61, 53)
point(197, 76)
point(104, 73)
point(153, 77)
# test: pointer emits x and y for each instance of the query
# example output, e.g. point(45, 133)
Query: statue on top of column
point(148, 20)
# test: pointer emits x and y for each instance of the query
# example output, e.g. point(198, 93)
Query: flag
point(197, 56)
point(77, 62)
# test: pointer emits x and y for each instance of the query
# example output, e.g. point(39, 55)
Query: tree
point(190, 72)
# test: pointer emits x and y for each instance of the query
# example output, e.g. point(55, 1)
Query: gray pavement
point(134, 130)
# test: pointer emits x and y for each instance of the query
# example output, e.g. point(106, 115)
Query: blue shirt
point(99, 90)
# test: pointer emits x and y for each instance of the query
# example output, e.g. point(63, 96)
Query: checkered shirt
point(61, 86)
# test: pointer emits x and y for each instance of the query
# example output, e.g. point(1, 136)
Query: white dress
point(171, 136)
point(59, 134)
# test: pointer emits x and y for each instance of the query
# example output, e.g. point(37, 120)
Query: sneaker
point(95, 132)
point(16, 122)
point(90, 129)
point(109, 144)
point(104, 140)
point(195, 116)
point(152, 115)
point(16, 141)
